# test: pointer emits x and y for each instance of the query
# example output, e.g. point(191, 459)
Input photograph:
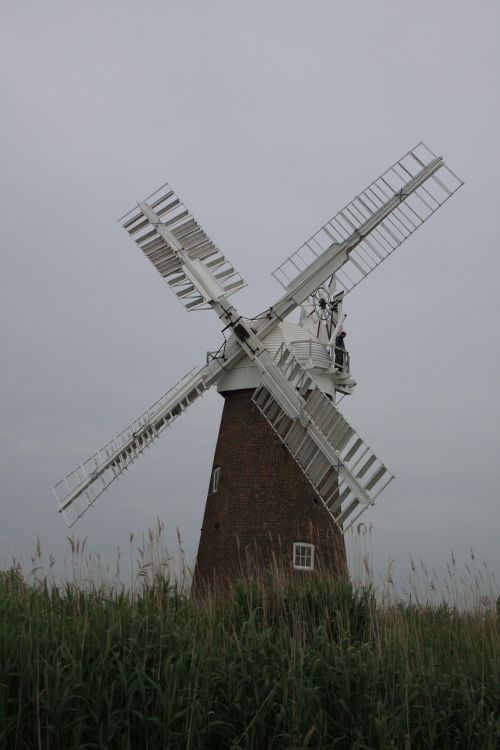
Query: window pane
point(303, 556)
point(214, 481)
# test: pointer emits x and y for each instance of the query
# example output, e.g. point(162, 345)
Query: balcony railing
point(315, 354)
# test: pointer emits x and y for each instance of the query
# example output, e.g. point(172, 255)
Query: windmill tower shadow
point(290, 474)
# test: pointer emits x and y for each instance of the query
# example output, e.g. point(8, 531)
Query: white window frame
point(215, 479)
point(296, 553)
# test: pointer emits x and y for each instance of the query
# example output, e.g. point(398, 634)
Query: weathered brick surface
point(263, 503)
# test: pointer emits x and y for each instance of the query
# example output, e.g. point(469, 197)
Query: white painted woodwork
point(292, 370)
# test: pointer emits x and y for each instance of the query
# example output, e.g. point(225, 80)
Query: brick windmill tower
point(290, 474)
point(262, 511)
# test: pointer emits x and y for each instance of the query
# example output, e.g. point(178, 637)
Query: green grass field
point(316, 664)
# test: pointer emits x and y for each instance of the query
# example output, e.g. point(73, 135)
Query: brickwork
point(263, 504)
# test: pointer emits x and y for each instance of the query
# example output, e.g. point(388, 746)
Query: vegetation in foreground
point(313, 664)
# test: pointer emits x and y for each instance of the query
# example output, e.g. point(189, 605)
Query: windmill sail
point(374, 223)
point(343, 470)
point(185, 231)
point(77, 491)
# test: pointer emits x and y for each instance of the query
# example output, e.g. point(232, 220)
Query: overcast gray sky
point(266, 117)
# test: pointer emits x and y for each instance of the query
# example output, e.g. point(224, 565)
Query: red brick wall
point(263, 503)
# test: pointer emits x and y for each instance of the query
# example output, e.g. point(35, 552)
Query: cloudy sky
point(266, 117)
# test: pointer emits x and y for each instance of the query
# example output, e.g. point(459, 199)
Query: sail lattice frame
point(176, 217)
point(410, 213)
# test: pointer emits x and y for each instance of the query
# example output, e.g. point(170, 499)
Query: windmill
point(290, 474)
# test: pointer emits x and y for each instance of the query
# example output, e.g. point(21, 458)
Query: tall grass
point(314, 663)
